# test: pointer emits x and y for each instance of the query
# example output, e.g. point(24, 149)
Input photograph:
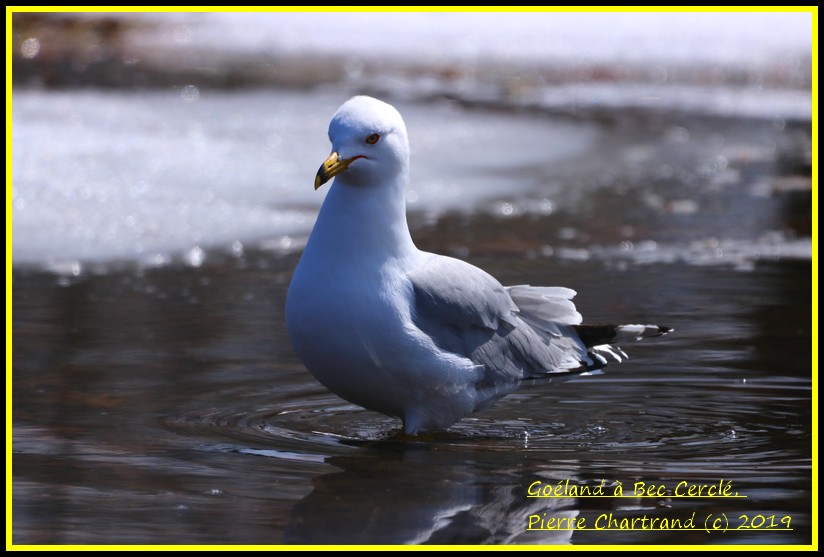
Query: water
point(165, 406)
point(156, 399)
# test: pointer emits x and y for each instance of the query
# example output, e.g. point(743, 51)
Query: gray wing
point(515, 333)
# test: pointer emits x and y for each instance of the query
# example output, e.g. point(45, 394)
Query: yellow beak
point(331, 167)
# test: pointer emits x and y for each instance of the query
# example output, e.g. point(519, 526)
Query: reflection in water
point(419, 494)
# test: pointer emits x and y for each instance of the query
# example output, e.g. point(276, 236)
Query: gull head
point(369, 144)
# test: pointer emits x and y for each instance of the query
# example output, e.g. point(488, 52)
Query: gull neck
point(364, 221)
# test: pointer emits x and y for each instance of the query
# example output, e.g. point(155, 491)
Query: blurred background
point(160, 133)
point(162, 170)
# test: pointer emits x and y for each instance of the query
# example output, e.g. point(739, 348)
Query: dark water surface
point(165, 406)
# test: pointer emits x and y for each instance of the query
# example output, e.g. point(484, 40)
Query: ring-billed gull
point(422, 337)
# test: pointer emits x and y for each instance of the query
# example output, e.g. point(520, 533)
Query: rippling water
point(165, 406)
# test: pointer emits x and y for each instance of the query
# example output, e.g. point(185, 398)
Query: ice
point(171, 174)
point(658, 39)
point(119, 176)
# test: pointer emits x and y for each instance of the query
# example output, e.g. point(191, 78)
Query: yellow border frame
point(813, 10)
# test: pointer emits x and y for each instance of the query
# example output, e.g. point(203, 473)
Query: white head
point(369, 144)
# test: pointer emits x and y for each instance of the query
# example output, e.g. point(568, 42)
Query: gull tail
point(600, 339)
point(594, 335)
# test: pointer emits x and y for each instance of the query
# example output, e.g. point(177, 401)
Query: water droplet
point(237, 248)
point(30, 48)
point(507, 209)
point(195, 256)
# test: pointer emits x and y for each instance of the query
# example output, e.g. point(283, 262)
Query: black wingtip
point(594, 335)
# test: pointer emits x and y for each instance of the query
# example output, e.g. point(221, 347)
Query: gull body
point(415, 335)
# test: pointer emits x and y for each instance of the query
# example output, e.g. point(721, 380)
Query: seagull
point(422, 337)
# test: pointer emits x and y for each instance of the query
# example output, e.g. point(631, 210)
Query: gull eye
point(373, 138)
